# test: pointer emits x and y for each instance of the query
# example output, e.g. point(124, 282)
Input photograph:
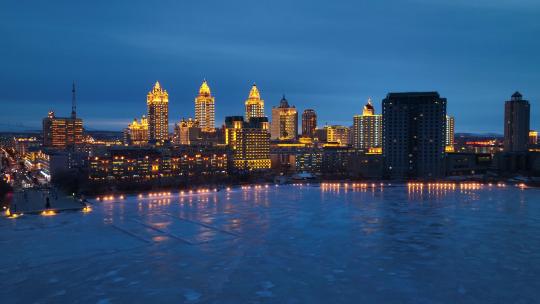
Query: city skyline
point(270, 151)
point(475, 71)
point(120, 124)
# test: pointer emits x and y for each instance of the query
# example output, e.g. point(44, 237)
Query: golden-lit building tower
point(284, 121)
point(187, 132)
point(254, 104)
point(249, 142)
point(137, 132)
point(367, 129)
point(158, 114)
point(205, 109)
point(337, 134)
point(309, 123)
point(450, 129)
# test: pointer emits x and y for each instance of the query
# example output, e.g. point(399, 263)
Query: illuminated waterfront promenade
point(327, 243)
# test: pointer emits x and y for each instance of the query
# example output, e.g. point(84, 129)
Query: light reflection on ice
point(298, 244)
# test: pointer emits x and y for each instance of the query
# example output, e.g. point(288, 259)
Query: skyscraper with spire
point(254, 104)
point(204, 109)
point(157, 101)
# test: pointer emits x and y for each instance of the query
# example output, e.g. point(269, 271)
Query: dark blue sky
point(326, 55)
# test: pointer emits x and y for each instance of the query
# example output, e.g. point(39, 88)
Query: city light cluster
point(352, 185)
point(110, 198)
point(48, 213)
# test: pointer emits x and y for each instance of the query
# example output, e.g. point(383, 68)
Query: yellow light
point(15, 215)
point(374, 151)
point(87, 209)
point(48, 213)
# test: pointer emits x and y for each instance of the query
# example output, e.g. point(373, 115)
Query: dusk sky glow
point(329, 56)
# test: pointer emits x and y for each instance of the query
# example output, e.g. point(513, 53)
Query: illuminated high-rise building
point(450, 129)
point(249, 142)
point(337, 135)
point(309, 123)
point(137, 132)
point(205, 109)
point(186, 132)
point(284, 124)
point(254, 104)
point(414, 135)
point(63, 132)
point(516, 124)
point(158, 114)
point(367, 128)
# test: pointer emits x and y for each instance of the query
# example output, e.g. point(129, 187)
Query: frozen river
point(287, 244)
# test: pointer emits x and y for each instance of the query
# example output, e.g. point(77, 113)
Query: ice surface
point(287, 244)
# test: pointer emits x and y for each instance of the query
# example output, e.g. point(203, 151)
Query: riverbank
point(42, 201)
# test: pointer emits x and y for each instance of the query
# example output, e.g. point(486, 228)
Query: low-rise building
point(463, 163)
point(517, 163)
point(149, 163)
point(290, 158)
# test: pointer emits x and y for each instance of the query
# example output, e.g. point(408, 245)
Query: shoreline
point(202, 189)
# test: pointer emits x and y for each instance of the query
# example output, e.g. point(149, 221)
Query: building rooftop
point(413, 94)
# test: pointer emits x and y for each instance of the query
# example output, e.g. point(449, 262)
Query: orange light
point(48, 213)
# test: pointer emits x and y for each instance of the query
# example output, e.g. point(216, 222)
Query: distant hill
point(105, 134)
point(479, 135)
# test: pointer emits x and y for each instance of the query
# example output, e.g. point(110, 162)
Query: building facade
point(414, 135)
point(205, 109)
point(187, 132)
point(284, 124)
point(533, 138)
point(337, 160)
point(143, 163)
point(309, 123)
point(62, 132)
point(157, 101)
point(367, 128)
point(136, 133)
point(254, 104)
point(338, 134)
point(450, 131)
point(321, 135)
point(249, 142)
point(463, 163)
point(516, 124)
point(295, 157)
